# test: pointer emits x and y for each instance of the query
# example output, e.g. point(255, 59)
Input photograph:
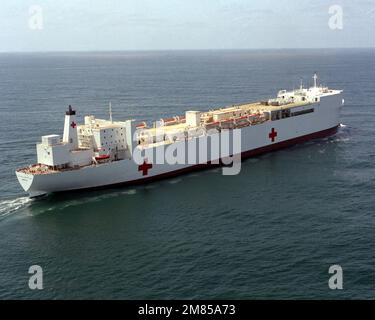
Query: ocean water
point(270, 232)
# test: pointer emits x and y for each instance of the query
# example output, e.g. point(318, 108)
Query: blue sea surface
point(272, 231)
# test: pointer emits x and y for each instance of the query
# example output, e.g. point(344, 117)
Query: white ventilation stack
point(193, 118)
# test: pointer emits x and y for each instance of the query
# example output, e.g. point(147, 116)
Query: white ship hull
point(323, 122)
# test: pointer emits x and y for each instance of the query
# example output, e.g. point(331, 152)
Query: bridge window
point(299, 113)
point(287, 113)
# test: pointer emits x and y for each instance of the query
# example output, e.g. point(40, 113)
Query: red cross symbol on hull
point(73, 124)
point(145, 167)
point(272, 135)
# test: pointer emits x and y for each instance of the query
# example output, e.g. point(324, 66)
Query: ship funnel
point(70, 129)
point(70, 111)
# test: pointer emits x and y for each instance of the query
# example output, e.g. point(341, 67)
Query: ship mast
point(315, 77)
point(110, 112)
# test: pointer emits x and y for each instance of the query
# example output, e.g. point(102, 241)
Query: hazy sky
point(181, 24)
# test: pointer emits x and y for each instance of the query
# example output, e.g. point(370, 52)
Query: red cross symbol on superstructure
point(273, 134)
point(73, 124)
point(145, 167)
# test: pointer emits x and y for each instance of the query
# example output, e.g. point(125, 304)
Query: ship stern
point(26, 181)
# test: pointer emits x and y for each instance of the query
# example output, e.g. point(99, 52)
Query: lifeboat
point(211, 125)
point(255, 118)
point(227, 124)
point(242, 122)
point(141, 125)
point(168, 121)
point(102, 157)
point(181, 119)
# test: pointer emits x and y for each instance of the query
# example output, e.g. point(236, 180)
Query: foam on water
point(55, 203)
point(8, 207)
point(130, 192)
point(174, 181)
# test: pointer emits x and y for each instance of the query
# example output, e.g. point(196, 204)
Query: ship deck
point(251, 108)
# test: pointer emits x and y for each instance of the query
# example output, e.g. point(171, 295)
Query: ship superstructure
point(100, 152)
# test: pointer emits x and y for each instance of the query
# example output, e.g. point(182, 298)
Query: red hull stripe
point(244, 155)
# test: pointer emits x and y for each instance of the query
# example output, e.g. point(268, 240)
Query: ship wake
point(11, 206)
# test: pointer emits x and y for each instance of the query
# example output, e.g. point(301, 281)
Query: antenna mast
point(315, 77)
point(110, 111)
